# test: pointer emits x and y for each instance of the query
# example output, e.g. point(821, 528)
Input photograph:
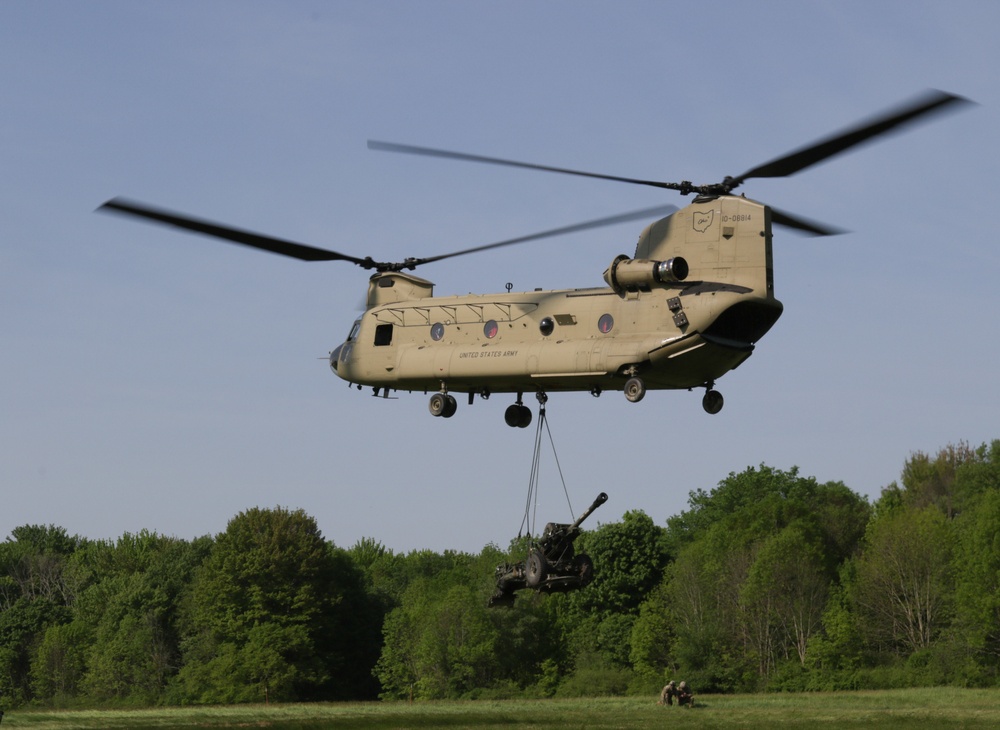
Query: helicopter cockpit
point(343, 350)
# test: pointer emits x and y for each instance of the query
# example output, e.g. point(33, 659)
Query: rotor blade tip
point(109, 204)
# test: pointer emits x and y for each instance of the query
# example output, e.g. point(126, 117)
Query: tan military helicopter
point(686, 308)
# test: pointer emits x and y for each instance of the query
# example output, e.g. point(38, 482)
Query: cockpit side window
point(354, 331)
point(383, 335)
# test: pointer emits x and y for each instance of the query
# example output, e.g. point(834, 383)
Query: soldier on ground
point(668, 693)
point(685, 696)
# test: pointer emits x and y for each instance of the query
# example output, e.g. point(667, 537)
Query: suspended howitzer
point(552, 565)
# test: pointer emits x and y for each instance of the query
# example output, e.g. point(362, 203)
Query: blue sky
point(162, 381)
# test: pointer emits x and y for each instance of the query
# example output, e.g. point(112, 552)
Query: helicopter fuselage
point(676, 329)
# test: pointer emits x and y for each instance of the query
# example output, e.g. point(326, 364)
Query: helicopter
point(686, 308)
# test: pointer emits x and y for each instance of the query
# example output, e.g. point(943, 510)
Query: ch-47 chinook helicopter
point(686, 308)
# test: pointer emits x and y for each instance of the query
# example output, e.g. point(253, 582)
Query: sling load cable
point(531, 505)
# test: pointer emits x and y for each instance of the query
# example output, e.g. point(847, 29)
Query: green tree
point(652, 637)
point(59, 662)
point(36, 591)
point(270, 576)
point(839, 647)
point(629, 559)
point(980, 475)
point(268, 666)
point(22, 624)
point(129, 610)
point(977, 584)
point(784, 596)
point(691, 604)
point(755, 560)
point(441, 640)
point(931, 481)
point(950, 480)
point(903, 588)
point(759, 501)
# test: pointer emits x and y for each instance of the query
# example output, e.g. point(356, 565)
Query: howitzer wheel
point(536, 569)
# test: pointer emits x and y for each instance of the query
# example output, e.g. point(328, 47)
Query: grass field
point(884, 709)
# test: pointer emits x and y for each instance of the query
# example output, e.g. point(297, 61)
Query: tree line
point(770, 581)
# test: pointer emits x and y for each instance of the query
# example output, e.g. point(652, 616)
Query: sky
point(156, 380)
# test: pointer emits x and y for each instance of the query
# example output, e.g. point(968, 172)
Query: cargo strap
point(531, 504)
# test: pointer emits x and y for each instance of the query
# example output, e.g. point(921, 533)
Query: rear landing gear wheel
point(635, 389)
point(517, 416)
point(712, 402)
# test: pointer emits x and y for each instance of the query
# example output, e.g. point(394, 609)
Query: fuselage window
point(383, 335)
point(354, 331)
point(437, 331)
point(605, 323)
point(490, 329)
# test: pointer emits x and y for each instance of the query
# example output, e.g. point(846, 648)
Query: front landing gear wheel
point(712, 402)
point(635, 389)
point(442, 404)
point(517, 416)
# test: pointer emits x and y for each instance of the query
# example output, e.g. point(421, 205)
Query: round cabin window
point(605, 323)
point(490, 329)
point(437, 331)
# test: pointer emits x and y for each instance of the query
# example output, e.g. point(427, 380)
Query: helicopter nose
point(334, 356)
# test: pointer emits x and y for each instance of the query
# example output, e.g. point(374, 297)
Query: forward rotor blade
point(930, 102)
point(430, 152)
point(246, 238)
point(655, 212)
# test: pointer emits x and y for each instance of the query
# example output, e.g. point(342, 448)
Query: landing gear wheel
point(635, 389)
point(712, 402)
point(450, 406)
point(535, 569)
point(439, 405)
point(517, 416)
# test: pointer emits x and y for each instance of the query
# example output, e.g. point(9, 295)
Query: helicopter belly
point(692, 361)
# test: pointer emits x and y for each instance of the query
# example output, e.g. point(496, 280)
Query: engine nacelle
point(626, 274)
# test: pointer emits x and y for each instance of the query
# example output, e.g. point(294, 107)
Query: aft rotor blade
point(228, 233)
point(931, 102)
point(814, 228)
point(431, 152)
point(655, 212)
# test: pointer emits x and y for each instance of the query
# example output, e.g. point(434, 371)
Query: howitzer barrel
point(601, 499)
